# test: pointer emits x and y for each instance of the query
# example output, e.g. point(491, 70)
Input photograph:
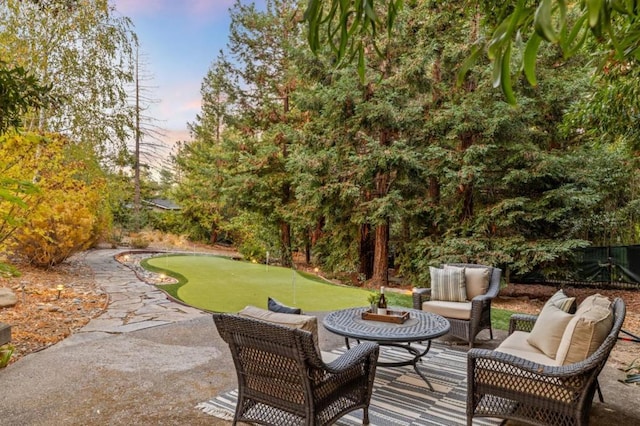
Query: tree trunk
point(285, 242)
point(467, 211)
point(136, 167)
point(213, 237)
point(316, 234)
point(307, 247)
point(434, 190)
point(366, 251)
point(381, 256)
point(285, 227)
point(381, 251)
point(466, 190)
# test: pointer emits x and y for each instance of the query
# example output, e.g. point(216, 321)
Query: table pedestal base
point(412, 350)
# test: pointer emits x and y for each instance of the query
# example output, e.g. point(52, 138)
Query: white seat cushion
point(505, 377)
point(455, 310)
point(516, 344)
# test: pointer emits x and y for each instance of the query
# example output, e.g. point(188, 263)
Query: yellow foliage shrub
point(67, 214)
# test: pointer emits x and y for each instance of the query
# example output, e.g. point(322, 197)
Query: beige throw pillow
point(586, 331)
point(594, 300)
point(548, 330)
point(477, 281)
point(562, 301)
point(448, 284)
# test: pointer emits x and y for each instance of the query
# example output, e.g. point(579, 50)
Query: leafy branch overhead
point(20, 92)
point(348, 24)
point(518, 26)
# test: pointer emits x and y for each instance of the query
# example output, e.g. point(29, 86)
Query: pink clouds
point(205, 7)
point(174, 136)
point(182, 96)
point(180, 39)
point(193, 105)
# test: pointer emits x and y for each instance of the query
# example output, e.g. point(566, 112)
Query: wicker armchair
point(480, 318)
point(507, 387)
point(282, 379)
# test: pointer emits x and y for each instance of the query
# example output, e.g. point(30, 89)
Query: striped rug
point(400, 395)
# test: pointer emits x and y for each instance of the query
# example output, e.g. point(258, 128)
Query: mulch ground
point(529, 298)
point(42, 318)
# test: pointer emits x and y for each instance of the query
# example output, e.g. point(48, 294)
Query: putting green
point(223, 285)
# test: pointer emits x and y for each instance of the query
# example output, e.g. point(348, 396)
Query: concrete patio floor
point(149, 361)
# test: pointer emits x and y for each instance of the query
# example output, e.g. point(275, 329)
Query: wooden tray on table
point(397, 317)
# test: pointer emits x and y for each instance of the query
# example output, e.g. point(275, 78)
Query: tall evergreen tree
point(200, 163)
point(497, 193)
point(260, 46)
point(362, 142)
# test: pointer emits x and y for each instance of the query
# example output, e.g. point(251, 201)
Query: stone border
point(5, 333)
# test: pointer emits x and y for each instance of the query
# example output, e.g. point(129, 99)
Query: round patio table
point(420, 327)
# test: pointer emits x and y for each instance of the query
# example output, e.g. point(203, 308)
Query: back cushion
point(548, 330)
point(586, 331)
point(448, 284)
point(594, 300)
point(477, 281)
point(562, 301)
point(303, 322)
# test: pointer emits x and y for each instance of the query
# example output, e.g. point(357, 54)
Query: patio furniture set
point(545, 371)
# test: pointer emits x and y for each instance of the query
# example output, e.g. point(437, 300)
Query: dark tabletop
point(420, 326)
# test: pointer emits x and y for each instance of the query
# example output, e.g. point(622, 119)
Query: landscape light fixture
point(60, 287)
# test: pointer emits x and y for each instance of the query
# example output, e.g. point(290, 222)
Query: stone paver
point(133, 305)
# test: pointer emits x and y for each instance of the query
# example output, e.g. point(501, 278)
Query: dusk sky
point(179, 40)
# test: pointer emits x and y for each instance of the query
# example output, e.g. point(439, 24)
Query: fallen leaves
point(41, 318)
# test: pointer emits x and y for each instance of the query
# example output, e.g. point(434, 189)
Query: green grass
point(223, 285)
point(500, 318)
point(220, 284)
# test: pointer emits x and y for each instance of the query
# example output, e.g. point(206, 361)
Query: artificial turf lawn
point(223, 285)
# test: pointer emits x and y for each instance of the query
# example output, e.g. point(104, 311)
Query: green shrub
point(8, 271)
point(139, 243)
point(5, 355)
point(170, 222)
point(632, 372)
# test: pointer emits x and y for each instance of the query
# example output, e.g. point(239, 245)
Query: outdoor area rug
point(400, 396)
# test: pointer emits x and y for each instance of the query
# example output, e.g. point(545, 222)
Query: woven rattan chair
point(282, 379)
point(480, 318)
point(507, 387)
